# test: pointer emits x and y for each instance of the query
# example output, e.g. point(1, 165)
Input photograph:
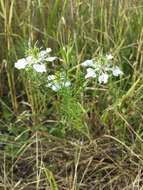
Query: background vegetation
point(79, 139)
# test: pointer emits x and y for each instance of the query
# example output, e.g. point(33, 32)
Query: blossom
point(103, 78)
point(48, 50)
point(44, 53)
point(29, 58)
point(67, 84)
point(57, 82)
point(56, 87)
point(87, 63)
point(116, 71)
point(51, 77)
point(21, 63)
point(49, 85)
point(51, 59)
point(36, 61)
point(39, 68)
point(101, 67)
point(109, 57)
point(90, 73)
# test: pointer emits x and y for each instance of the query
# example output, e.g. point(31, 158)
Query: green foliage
point(72, 112)
point(15, 140)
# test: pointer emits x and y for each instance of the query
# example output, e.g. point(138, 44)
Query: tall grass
point(91, 26)
point(76, 30)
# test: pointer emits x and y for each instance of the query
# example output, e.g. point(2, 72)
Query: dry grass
point(100, 164)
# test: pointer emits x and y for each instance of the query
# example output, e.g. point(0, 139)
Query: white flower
point(55, 87)
point(87, 63)
point(51, 77)
point(48, 50)
point(21, 63)
point(116, 71)
point(109, 57)
point(49, 85)
point(42, 54)
point(30, 59)
point(39, 68)
point(67, 83)
point(103, 78)
point(90, 73)
point(51, 59)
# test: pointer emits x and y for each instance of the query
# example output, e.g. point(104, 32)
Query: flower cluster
point(101, 68)
point(37, 62)
point(58, 81)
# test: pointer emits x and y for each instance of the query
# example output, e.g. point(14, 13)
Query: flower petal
point(103, 78)
point(39, 68)
point(55, 87)
point(90, 73)
point(51, 77)
point(21, 63)
point(67, 84)
point(51, 59)
point(48, 50)
point(117, 71)
point(109, 57)
point(87, 63)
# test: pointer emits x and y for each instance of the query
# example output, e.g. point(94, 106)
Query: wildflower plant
point(98, 71)
point(33, 69)
point(41, 79)
point(69, 108)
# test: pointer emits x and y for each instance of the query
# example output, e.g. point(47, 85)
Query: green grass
point(84, 138)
